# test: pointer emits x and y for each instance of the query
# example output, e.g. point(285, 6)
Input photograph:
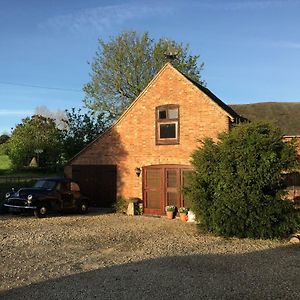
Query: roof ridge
point(267, 102)
point(213, 97)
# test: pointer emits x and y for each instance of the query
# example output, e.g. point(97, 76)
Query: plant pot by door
point(170, 215)
point(183, 217)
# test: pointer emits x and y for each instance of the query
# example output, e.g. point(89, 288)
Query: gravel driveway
point(112, 256)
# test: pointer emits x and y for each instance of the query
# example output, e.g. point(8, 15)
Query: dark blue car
point(48, 194)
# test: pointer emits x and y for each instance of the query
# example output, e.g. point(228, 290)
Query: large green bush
point(34, 134)
point(237, 187)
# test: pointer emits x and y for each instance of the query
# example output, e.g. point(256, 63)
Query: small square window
point(167, 131)
point(162, 114)
point(173, 113)
point(167, 124)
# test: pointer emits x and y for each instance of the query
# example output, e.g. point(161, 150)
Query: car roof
point(53, 178)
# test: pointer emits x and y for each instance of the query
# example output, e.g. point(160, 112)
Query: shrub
point(237, 187)
point(121, 204)
point(183, 210)
point(171, 208)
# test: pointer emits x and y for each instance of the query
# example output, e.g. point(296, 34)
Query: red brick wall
point(297, 141)
point(131, 142)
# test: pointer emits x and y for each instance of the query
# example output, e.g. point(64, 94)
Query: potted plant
point(170, 210)
point(183, 213)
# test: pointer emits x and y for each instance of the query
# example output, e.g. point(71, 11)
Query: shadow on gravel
point(271, 274)
point(93, 211)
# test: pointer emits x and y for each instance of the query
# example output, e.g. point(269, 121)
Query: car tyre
point(41, 211)
point(83, 207)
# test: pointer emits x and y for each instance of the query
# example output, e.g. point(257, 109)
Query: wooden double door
point(162, 186)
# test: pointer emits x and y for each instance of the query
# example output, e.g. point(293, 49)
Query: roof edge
point(122, 115)
point(223, 106)
point(218, 102)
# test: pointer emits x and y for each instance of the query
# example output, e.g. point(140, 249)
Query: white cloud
point(103, 17)
point(13, 112)
point(245, 5)
point(286, 44)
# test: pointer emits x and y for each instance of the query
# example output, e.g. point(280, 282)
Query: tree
point(237, 187)
point(81, 129)
point(124, 65)
point(36, 136)
point(58, 116)
point(4, 138)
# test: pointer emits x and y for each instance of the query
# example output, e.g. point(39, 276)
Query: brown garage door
point(98, 182)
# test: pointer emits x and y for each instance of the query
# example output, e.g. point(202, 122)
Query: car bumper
point(20, 207)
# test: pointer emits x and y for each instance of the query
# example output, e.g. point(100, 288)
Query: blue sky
point(251, 49)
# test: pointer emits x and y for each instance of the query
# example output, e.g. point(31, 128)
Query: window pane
point(171, 178)
point(162, 114)
point(173, 113)
point(167, 131)
point(153, 178)
point(172, 198)
point(153, 199)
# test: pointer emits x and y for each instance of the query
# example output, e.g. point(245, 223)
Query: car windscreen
point(45, 184)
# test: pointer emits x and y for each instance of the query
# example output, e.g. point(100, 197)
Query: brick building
point(146, 153)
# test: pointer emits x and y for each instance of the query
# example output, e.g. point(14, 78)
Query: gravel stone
point(113, 256)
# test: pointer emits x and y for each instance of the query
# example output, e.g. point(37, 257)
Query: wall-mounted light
point(138, 171)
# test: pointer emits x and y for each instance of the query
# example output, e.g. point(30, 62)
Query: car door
point(66, 195)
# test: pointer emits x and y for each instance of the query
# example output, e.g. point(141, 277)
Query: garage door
point(98, 182)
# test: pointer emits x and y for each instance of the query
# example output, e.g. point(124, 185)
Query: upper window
point(167, 124)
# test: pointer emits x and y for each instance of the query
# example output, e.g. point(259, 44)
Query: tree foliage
point(4, 138)
point(59, 116)
point(123, 66)
point(237, 187)
point(35, 133)
point(81, 129)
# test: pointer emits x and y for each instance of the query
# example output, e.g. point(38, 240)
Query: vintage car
point(47, 194)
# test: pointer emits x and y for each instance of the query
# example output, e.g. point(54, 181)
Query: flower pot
point(183, 217)
point(170, 215)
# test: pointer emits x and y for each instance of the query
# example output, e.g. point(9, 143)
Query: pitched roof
point(229, 110)
point(284, 115)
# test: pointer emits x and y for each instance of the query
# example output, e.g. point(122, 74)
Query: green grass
point(6, 170)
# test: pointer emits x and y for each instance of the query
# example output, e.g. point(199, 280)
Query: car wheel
point(83, 207)
point(41, 212)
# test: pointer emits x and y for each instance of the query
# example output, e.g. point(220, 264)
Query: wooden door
point(153, 191)
point(172, 187)
point(162, 186)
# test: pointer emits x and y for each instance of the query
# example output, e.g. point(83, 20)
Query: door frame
point(163, 182)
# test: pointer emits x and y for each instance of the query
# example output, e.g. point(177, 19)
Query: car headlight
point(29, 197)
point(7, 195)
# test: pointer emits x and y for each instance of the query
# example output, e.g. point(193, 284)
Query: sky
point(251, 48)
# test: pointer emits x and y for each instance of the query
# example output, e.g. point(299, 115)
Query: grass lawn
point(6, 170)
